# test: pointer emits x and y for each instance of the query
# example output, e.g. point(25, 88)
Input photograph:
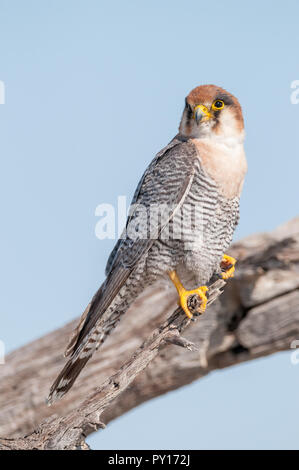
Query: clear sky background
point(93, 90)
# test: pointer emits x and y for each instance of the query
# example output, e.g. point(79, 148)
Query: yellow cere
point(204, 109)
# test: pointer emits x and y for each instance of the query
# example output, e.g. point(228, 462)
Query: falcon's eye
point(218, 104)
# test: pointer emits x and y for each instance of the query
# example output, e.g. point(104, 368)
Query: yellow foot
point(228, 266)
point(184, 294)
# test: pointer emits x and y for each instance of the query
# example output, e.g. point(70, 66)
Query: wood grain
point(146, 356)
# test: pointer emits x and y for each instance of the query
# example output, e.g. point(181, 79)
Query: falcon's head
point(211, 111)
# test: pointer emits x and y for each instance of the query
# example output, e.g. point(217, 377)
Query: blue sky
point(93, 90)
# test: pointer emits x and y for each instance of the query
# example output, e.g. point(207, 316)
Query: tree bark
point(146, 356)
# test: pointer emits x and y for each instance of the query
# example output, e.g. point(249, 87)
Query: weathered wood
point(258, 314)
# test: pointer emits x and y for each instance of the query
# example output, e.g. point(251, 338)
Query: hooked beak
point(201, 113)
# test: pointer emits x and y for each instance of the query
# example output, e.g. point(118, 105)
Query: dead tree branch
point(258, 314)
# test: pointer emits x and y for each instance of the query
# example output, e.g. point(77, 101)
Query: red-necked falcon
point(203, 168)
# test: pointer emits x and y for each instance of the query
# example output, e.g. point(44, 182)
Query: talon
point(228, 266)
point(184, 294)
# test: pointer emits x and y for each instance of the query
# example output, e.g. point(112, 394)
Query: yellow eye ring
point(217, 105)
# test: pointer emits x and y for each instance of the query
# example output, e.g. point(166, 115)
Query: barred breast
point(202, 231)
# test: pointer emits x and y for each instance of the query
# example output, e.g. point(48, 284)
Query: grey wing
point(119, 242)
point(140, 196)
point(166, 182)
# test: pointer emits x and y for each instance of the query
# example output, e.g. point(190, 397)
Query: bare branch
point(258, 315)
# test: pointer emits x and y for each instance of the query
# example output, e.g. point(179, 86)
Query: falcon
point(196, 182)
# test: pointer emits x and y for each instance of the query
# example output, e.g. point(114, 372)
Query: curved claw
point(185, 294)
point(228, 265)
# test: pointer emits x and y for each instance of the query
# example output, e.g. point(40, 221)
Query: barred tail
point(82, 354)
point(100, 317)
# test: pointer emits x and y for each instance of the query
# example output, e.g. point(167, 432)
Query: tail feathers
point(71, 347)
point(95, 324)
point(73, 367)
point(81, 355)
point(66, 378)
point(97, 312)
